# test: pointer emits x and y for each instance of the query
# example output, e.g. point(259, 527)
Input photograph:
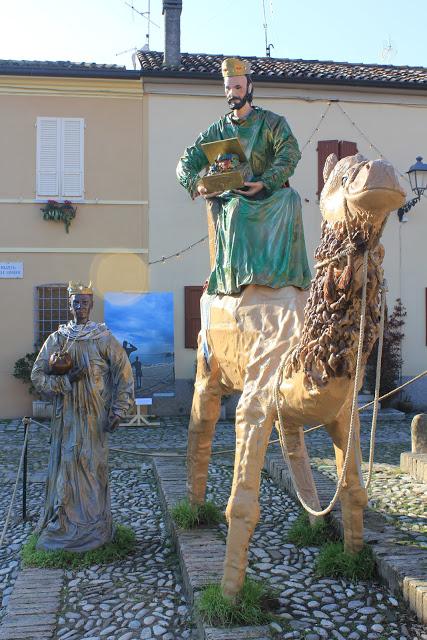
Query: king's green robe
point(258, 240)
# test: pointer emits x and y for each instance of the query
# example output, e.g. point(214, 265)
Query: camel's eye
point(344, 180)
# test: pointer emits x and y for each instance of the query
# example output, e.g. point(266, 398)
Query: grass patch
point(189, 516)
point(252, 607)
point(334, 561)
point(121, 545)
point(303, 534)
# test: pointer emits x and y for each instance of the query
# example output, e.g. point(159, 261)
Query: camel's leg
point(204, 416)
point(301, 466)
point(354, 497)
point(254, 421)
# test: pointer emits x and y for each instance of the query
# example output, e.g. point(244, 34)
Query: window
point(341, 148)
point(51, 310)
point(60, 154)
point(192, 297)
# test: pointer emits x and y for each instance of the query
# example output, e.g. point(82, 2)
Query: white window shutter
point(48, 145)
point(72, 157)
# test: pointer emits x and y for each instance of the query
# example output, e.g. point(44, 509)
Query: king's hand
point(112, 425)
point(252, 189)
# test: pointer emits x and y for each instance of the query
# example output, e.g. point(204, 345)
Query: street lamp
point(418, 180)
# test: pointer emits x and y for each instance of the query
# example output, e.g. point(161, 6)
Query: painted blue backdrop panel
point(143, 324)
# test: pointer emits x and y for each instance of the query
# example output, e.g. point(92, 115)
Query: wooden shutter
point(324, 149)
point(72, 157)
point(347, 149)
point(48, 150)
point(192, 297)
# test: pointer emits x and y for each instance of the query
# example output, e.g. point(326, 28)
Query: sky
point(368, 31)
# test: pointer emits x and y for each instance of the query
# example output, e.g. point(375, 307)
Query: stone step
point(33, 606)
point(403, 568)
point(415, 464)
point(201, 552)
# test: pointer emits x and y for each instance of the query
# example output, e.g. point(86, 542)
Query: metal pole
point(26, 422)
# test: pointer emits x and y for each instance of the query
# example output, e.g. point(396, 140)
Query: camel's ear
point(330, 163)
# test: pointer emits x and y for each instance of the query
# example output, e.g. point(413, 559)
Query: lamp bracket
point(407, 207)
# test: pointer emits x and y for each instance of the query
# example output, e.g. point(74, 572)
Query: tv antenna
point(268, 46)
point(146, 15)
point(388, 51)
point(134, 50)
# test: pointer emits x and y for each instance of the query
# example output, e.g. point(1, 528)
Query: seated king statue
point(259, 237)
point(88, 374)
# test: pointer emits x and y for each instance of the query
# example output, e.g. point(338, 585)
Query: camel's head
point(370, 188)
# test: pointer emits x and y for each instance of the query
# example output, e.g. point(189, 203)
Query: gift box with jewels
point(229, 168)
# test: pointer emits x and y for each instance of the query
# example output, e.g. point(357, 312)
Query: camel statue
point(247, 338)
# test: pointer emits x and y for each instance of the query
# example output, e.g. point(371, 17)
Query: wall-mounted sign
point(11, 269)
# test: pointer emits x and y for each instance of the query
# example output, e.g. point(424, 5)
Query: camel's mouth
point(387, 198)
point(372, 184)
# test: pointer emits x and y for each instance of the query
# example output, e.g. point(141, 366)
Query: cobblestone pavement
point(401, 499)
point(141, 597)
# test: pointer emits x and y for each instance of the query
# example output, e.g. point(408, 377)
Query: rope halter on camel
point(350, 441)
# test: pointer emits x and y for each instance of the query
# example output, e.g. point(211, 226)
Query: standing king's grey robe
point(77, 510)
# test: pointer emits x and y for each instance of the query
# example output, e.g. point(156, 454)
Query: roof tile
point(286, 70)
point(63, 68)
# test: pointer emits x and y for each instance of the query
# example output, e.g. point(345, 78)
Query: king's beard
point(236, 104)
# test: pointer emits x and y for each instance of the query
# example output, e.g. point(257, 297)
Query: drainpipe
point(172, 12)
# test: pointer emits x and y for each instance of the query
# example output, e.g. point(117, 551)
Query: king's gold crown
point(78, 287)
point(235, 67)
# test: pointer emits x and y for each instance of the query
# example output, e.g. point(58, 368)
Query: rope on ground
point(40, 424)
point(350, 440)
point(9, 513)
point(275, 441)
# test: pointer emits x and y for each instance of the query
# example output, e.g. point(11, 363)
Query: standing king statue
point(89, 400)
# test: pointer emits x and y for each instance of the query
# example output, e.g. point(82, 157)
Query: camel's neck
point(330, 334)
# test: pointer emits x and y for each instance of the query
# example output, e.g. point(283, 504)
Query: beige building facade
point(91, 153)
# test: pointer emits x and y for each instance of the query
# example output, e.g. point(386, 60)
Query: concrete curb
point(402, 568)
point(201, 553)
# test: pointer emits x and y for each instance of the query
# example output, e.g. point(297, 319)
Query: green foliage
point(22, 369)
point(188, 516)
point(59, 211)
point(391, 364)
point(250, 608)
point(334, 561)
point(303, 534)
point(121, 545)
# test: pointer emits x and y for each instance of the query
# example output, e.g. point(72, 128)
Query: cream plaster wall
point(392, 122)
point(114, 170)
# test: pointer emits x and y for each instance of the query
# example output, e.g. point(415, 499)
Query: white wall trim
point(74, 201)
point(349, 95)
point(72, 250)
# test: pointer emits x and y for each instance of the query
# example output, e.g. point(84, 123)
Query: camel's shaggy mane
point(332, 314)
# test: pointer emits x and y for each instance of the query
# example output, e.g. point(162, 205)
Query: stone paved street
point(142, 596)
